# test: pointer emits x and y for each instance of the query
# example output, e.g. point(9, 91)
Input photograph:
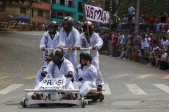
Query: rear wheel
point(94, 99)
point(101, 97)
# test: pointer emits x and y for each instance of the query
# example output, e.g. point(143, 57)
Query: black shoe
point(99, 88)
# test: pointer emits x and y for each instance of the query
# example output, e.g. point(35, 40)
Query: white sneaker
point(124, 58)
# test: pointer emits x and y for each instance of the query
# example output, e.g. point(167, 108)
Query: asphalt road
point(129, 86)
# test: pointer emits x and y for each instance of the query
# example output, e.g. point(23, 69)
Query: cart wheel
point(83, 103)
point(101, 97)
point(24, 102)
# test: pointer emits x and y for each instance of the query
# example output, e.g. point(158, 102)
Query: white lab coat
point(95, 40)
point(89, 76)
point(70, 40)
point(47, 42)
point(39, 77)
point(66, 66)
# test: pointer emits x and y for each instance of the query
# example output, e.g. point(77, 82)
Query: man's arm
point(42, 43)
point(99, 42)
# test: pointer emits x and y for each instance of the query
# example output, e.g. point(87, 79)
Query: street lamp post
point(111, 11)
point(137, 16)
point(31, 9)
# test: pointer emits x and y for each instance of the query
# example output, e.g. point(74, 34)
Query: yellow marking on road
point(145, 76)
point(119, 76)
point(29, 77)
point(3, 77)
point(165, 77)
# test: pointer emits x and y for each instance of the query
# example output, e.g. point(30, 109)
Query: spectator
point(163, 60)
point(155, 47)
point(131, 10)
point(114, 45)
point(123, 52)
point(164, 43)
point(129, 47)
point(135, 55)
point(121, 39)
point(146, 42)
point(163, 17)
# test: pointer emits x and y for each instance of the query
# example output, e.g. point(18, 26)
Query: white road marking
point(145, 76)
point(135, 89)
point(107, 89)
point(162, 87)
point(10, 88)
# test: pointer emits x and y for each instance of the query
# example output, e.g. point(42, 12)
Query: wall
point(73, 10)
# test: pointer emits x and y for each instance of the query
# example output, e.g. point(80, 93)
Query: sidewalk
point(4, 29)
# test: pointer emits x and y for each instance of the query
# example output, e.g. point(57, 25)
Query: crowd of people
point(155, 23)
point(23, 26)
point(149, 45)
point(149, 48)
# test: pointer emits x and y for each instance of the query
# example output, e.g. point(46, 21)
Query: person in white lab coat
point(91, 39)
point(86, 74)
point(60, 66)
point(69, 38)
point(50, 39)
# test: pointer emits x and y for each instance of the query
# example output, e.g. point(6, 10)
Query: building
point(62, 8)
point(45, 10)
point(98, 3)
point(36, 12)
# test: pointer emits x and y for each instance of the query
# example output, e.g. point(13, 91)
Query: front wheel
point(24, 102)
point(83, 103)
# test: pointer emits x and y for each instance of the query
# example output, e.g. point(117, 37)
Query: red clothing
point(151, 40)
point(152, 20)
point(115, 41)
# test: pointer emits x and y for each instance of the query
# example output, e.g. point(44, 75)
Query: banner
point(51, 83)
point(96, 14)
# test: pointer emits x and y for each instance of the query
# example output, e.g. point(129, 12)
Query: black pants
point(163, 65)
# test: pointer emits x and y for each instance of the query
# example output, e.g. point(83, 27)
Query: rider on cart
point(86, 74)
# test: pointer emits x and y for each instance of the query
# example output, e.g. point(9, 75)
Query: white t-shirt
point(165, 44)
point(131, 10)
point(146, 43)
point(164, 56)
point(155, 48)
point(121, 39)
point(142, 44)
